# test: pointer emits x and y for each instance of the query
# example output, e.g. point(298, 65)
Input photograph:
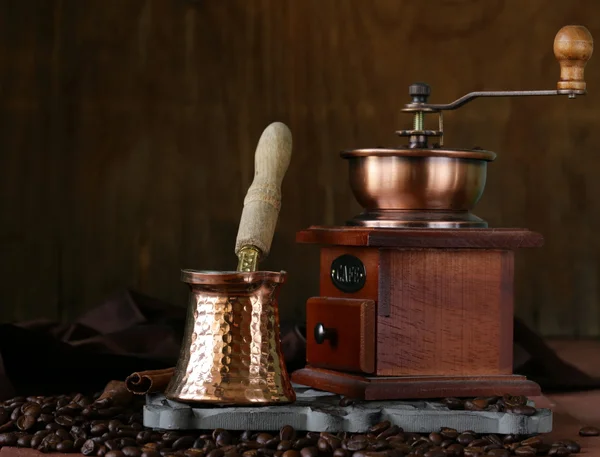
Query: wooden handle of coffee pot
point(263, 200)
point(573, 47)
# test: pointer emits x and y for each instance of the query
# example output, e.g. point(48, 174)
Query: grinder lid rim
point(477, 154)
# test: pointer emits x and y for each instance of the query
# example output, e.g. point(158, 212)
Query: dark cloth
point(132, 332)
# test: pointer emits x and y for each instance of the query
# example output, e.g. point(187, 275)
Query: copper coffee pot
point(231, 352)
point(419, 185)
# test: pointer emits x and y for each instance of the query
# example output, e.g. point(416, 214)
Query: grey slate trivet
point(318, 411)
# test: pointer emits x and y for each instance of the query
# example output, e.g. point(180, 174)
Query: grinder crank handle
point(263, 200)
point(573, 47)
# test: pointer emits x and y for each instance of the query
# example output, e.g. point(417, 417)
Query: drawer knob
point(322, 334)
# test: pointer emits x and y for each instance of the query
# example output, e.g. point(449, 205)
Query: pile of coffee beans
point(507, 403)
point(100, 427)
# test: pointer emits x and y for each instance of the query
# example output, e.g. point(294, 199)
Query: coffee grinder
point(416, 293)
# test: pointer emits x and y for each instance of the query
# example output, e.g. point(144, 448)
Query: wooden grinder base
point(407, 387)
point(432, 319)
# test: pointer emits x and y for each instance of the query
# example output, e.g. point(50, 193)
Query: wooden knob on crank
point(573, 47)
point(263, 200)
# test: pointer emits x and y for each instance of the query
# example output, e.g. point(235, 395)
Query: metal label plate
point(348, 273)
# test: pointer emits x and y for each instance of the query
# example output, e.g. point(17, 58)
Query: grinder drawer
point(340, 334)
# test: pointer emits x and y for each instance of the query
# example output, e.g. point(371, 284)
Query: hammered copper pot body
point(417, 187)
point(231, 351)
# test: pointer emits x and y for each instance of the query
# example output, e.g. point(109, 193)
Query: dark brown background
point(128, 128)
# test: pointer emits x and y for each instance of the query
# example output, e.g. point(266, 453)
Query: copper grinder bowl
point(418, 187)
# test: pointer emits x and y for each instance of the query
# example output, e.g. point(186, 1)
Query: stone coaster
point(318, 411)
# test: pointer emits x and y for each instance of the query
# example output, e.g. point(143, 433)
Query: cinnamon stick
point(144, 382)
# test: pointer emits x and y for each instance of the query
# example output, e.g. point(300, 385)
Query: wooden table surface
point(571, 410)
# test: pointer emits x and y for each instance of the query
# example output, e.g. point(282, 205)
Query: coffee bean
point(470, 406)
point(572, 446)
point(144, 437)
point(36, 441)
point(8, 439)
point(112, 445)
point(131, 451)
point(378, 445)
point(499, 452)
point(356, 444)
point(380, 427)
point(509, 439)
point(543, 449)
point(285, 445)
point(7, 426)
point(78, 443)
point(65, 446)
point(216, 453)
point(16, 413)
point(473, 451)
point(291, 452)
point(31, 409)
point(26, 422)
point(198, 444)
point(454, 450)
point(65, 421)
point(436, 438)
point(394, 430)
point(50, 442)
point(310, 451)
point(98, 429)
point(287, 433)
point(523, 410)
point(479, 442)
point(517, 400)
point(126, 430)
point(24, 441)
point(250, 453)
point(534, 441)
point(301, 443)
point(150, 454)
point(185, 442)
point(63, 434)
point(481, 402)
point(333, 441)
point(525, 451)
point(435, 453)
point(449, 433)
point(559, 451)
point(45, 418)
point(114, 453)
point(128, 442)
point(197, 453)
point(446, 443)
point(589, 431)
point(262, 438)
point(464, 438)
point(323, 446)
point(337, 453)
point(492, 439)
